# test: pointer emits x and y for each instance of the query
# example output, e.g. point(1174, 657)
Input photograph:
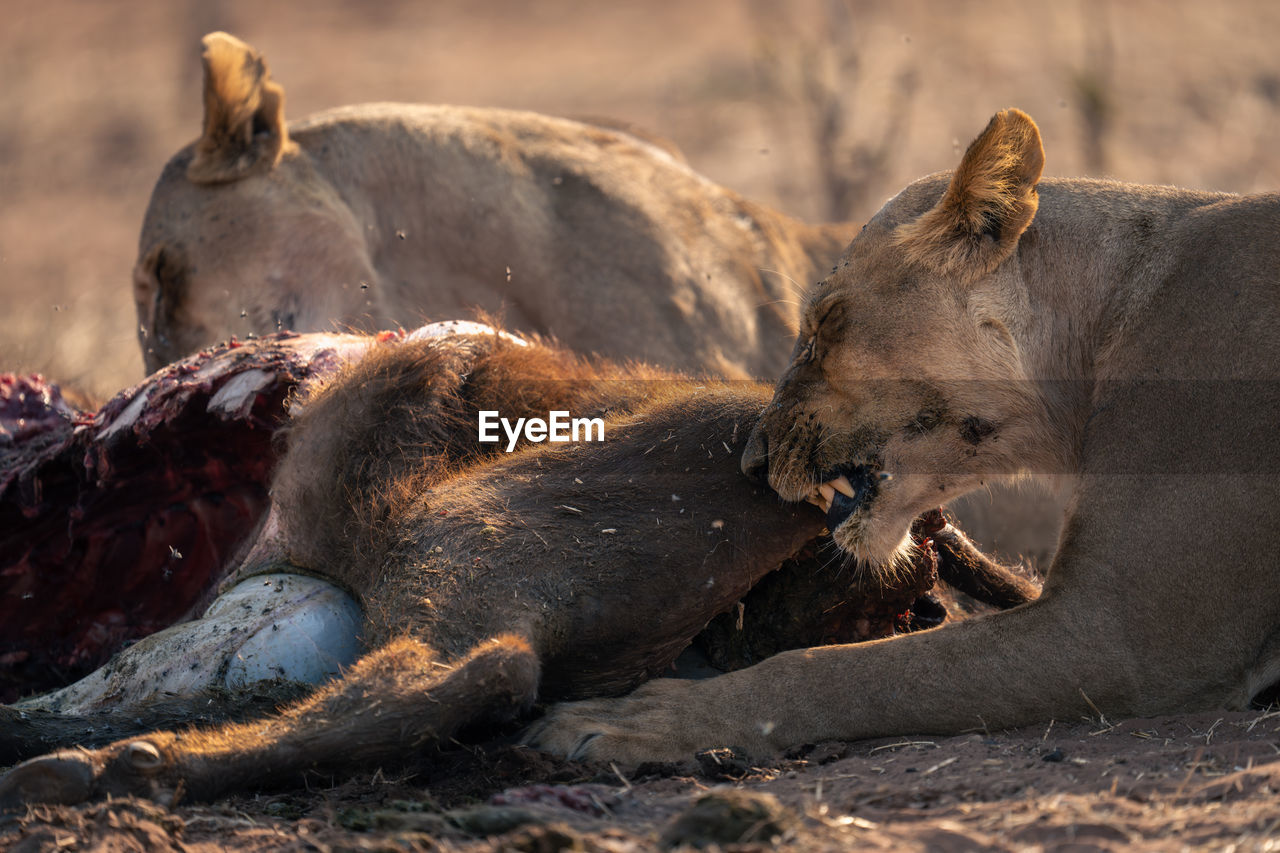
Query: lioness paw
point(587, 734)
point(652, 724)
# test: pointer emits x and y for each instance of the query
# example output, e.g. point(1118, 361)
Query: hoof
point(144, 759)
point(63, 778)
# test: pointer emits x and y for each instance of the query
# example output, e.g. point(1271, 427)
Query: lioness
point(484, 578)
point(379, 215)
point(986, 322)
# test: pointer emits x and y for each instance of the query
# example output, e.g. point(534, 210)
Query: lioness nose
point(755, 458)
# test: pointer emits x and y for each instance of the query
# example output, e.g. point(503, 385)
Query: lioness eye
point(806, 355)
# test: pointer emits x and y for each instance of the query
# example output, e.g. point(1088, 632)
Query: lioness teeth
point(843, 486)
point(821, 496)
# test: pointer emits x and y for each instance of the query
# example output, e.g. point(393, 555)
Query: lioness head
point(240, 228)
point(906, 385)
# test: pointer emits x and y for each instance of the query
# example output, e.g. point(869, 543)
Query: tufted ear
point(989, 203)
point(244, 126)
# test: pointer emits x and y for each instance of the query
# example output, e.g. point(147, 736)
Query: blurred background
point(822, 108)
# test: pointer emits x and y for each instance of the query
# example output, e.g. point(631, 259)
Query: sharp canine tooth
point(828, 493)
point(843, 486)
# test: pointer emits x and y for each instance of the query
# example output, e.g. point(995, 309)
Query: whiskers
point(797, 289)
point(899, 568)
point(868, 572)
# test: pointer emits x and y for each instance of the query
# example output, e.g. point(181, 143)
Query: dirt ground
point(1172, 783)
point(821, 108)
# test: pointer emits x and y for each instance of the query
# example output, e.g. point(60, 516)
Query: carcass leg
point(395, 700)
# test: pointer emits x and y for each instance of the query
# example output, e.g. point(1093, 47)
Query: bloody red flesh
point(115, 525)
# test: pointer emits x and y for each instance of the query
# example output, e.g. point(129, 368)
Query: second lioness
point(383, 214)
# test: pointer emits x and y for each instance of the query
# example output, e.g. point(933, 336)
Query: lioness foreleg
point(396, 699)
point(1006, 669)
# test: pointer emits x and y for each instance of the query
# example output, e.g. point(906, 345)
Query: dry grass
point(97, 95)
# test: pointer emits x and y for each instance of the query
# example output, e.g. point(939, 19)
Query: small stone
point(548, 838)
point(723, 763)
point(729, 816)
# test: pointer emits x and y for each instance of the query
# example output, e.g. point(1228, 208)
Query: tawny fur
point(989, 203)
point(1125, 337)
point(244, 129)
point(379, 215)
point(487, 579)
point(405, 417)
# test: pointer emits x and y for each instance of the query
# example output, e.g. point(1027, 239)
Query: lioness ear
point(990, 202)
point(244, 126)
